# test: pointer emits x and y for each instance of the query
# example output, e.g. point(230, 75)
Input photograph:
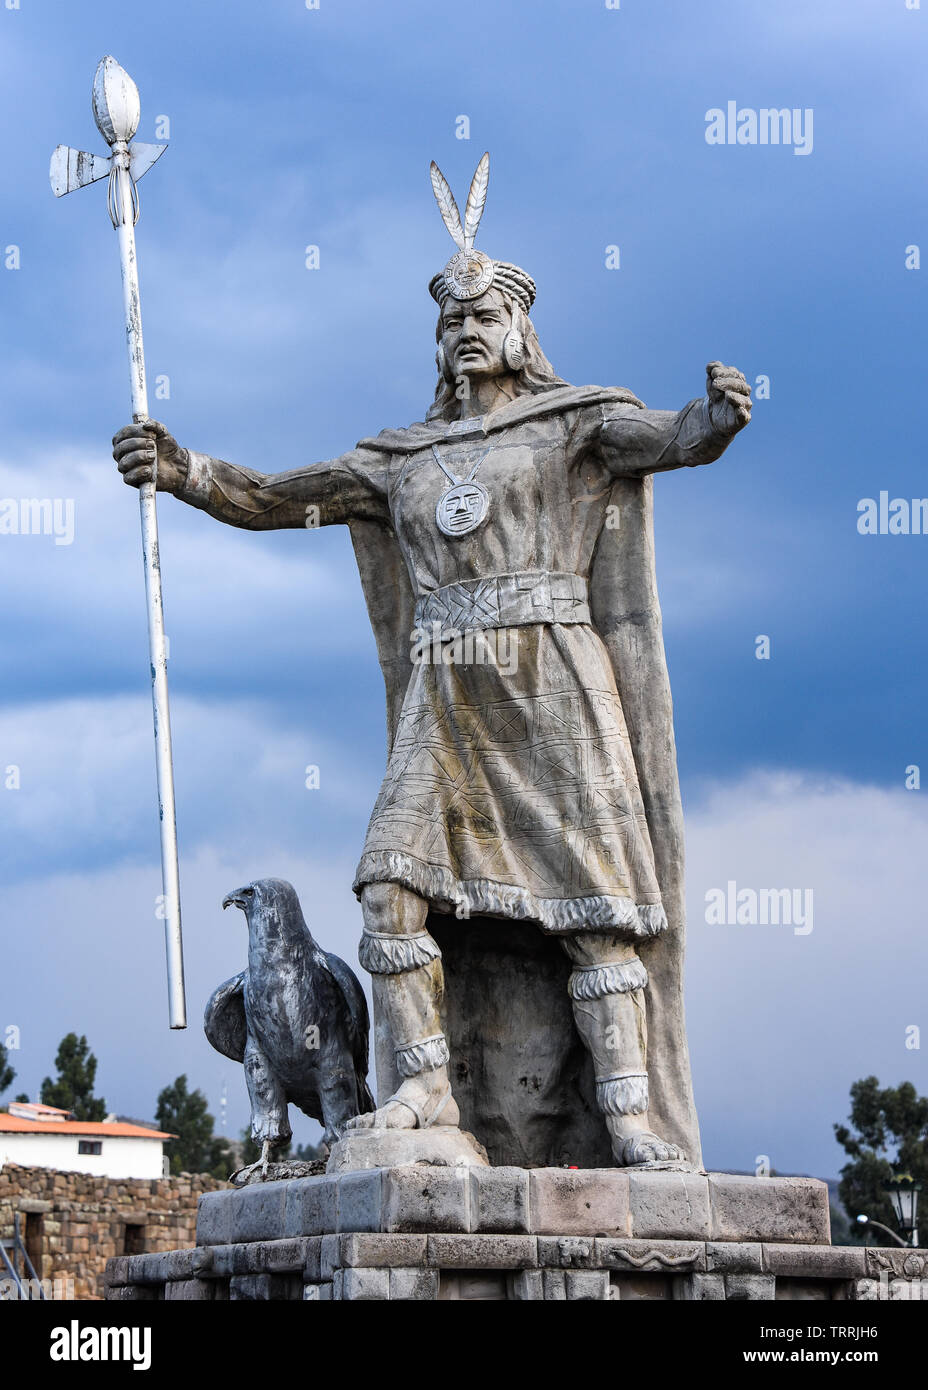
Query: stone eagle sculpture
point(296, 1018)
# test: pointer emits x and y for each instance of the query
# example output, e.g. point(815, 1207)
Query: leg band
point(390, 953)
point(596, 981)
point(424, 1055)
point(623, 1093)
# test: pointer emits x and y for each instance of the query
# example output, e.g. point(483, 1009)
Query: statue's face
point(473, 331)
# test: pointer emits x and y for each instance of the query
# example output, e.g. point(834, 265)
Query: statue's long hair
point(534, 376)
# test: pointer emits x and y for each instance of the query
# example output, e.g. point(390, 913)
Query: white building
point(39, 1136)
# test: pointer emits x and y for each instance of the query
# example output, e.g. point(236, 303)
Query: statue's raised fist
point(136, 449)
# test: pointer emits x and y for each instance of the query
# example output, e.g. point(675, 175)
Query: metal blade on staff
point(116, 112)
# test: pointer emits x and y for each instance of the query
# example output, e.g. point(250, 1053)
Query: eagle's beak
point(236, 899)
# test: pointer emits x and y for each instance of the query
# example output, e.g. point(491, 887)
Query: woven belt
point(506, 600)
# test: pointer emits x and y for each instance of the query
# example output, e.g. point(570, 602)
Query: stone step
point(374, 1266)
point(607, 1202)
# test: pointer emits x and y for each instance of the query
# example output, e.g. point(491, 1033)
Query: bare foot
point(420, 1101)
point(634, 1145)
point(645, 1147)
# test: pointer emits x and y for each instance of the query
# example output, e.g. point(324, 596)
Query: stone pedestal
point(423, 1232)
point(441, 1146)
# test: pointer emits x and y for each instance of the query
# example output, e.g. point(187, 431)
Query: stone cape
point(626, 616)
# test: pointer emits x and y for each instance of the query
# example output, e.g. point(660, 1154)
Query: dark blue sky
point(291, 127)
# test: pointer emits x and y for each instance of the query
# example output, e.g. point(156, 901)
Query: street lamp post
point(903, 1194)
point(869, 1221)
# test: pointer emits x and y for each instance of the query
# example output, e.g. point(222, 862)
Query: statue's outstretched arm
point(259, 501)
point(634, 442)
point(319, 494)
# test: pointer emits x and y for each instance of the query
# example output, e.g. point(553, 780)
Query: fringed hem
point(382, 953)
point(483, 897)
point(623, 1095)
point(425, 1055)
point(596, 981)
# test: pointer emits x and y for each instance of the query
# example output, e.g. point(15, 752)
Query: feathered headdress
point(470, 273)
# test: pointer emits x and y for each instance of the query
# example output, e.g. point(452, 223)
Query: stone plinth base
point(444, 1146)
point(425, 1232)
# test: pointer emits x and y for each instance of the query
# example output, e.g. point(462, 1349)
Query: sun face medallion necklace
point(464, 505)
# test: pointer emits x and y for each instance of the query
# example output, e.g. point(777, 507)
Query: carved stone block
point(424, 1198)
point(527, 1286)
point(741, 1287)
point(413, 1284)
point(189, 1291)
point(651, 1256)
point(443, 1146)
point(565, 1201)
point(807, 1261)
point(482, 1252)
point(499, 1200)
point(117, 1271)
point(375, 1251)
point(360, 1201)
point(586, 1285)
point(669, 1205)
point(214, 1218)
point(781, 1210)
point(566, 1252)
point(361, 1285)
point(310, 1208)
point(735, 1257)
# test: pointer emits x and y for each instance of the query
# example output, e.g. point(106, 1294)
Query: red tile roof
point(15, 1124)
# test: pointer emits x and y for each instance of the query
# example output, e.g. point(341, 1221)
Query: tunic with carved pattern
point(511, 787)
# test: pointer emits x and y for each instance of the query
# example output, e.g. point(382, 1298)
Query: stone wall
point(72, 1223)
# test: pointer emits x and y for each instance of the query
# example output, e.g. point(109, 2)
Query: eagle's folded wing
point(358, 1021)
point(224, 1020)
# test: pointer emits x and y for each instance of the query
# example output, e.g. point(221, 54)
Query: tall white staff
point(116, 112)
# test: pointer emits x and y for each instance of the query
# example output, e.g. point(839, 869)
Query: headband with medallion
point(470, 273)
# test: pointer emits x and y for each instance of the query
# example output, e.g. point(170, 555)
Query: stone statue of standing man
point(539, 788)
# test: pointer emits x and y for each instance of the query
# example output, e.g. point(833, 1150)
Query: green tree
point(196, 1149)
point(77, 1072)
point(889, 1138)
point(309, 1153)
point(6, 1072)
